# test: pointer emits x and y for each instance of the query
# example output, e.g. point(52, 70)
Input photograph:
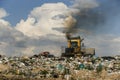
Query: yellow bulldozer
point(75, 48)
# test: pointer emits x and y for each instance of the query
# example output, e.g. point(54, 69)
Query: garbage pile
point(46, 68)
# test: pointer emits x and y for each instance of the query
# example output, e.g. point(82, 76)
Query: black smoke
point(99, 18)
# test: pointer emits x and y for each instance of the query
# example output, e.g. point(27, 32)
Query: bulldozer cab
point(74, 42)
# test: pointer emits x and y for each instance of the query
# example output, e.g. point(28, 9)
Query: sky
point(19, 9)
point(29, 27)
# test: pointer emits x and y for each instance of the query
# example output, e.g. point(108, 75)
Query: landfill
point(39, 67)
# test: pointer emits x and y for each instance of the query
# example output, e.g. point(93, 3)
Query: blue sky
point(19, 9)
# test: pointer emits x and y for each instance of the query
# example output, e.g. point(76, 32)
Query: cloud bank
point(42, 20)
point(44, 28)
point(3, 13)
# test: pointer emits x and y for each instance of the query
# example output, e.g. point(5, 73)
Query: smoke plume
point(83, 14)
point(91, 16)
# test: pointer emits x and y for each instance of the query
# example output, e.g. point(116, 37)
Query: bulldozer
point(75, 48)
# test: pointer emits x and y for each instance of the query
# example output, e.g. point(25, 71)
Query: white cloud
point(3, 13)
point(35, 34)
point(8, 37)
point(41, 26)
point(4, 23)
point(42, 20)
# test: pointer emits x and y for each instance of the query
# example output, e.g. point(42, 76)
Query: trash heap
point(60, 68)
